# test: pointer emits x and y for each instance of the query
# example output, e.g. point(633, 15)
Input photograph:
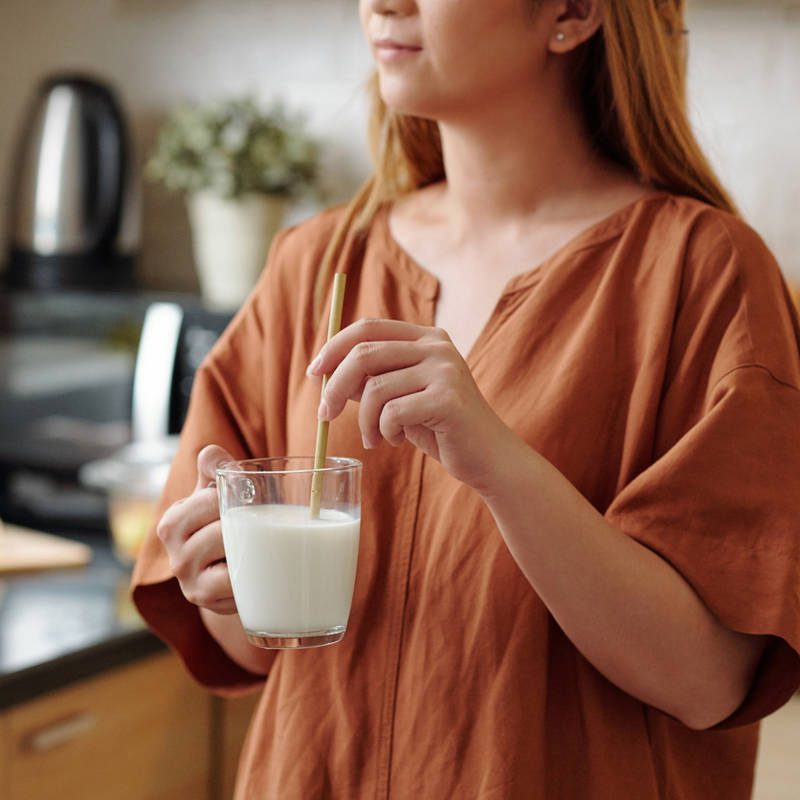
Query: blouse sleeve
point(721, 500)
point(723, 507)
point(226, 408)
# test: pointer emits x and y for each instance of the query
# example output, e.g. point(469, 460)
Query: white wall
point(744, 82)
point(744, 89)
point(159, 52)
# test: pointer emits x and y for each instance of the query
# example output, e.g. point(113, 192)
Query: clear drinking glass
point(292, 575)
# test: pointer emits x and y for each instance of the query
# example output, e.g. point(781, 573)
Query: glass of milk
point(292, 575)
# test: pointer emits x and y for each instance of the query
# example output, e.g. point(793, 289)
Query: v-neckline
point(425, 282)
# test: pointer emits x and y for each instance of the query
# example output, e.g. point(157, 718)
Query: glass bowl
point(132, 479)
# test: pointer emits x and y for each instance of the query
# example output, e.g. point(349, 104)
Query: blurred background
point(159, 53)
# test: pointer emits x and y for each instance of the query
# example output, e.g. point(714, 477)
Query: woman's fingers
point(207, 460)
point(200, 568)
point(215, 588)
point(424, 439)
point(365, 331)
point(366, 361)
point(203, 548)
point(198, 563)
point(380, 390)
point(411, 412)
point(192, 536)
point(380, 363)
point(183, 518)
point(412, 385)
point(352, 360)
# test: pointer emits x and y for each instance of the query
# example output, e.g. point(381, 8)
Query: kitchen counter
point(60, 626)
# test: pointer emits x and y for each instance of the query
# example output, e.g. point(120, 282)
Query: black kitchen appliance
point(82, 374)
point(73, 200)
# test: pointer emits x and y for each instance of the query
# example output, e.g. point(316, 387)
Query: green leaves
point(234, 147)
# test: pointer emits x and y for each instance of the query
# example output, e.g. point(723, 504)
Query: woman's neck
point(532, 159)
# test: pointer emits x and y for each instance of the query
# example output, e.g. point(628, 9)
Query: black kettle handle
point(110, 162)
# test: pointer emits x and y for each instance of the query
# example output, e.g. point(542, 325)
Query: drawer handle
point(61, 732)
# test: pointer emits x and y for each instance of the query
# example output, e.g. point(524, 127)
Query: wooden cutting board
point(25, 550)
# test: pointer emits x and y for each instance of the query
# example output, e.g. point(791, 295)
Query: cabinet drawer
point(139, 732)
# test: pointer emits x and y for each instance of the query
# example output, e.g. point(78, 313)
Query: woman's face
point(443, 59)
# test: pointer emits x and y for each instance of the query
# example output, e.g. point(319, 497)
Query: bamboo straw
point(334, 322)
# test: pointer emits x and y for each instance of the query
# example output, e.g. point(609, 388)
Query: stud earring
point(560, 36)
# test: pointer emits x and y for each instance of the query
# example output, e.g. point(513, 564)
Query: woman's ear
point(577, 22)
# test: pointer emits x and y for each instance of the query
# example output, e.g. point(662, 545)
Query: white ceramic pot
point(230, 240)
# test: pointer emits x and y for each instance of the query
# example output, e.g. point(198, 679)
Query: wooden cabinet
point(230, 721)
point(139, 732)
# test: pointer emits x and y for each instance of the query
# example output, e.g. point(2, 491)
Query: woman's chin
point(404, 99)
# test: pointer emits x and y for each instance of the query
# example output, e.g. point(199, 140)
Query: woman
point(576, 380)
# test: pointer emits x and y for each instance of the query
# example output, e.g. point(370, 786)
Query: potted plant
point(238, 165)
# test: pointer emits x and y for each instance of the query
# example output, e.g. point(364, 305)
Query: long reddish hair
point(632, 77)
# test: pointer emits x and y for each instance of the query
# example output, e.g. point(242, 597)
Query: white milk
point(291, 574)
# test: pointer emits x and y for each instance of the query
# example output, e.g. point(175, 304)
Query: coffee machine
point(74, 197)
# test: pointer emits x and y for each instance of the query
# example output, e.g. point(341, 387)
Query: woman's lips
point(391, 50)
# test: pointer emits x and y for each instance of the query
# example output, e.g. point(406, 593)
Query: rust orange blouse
point(654, 361)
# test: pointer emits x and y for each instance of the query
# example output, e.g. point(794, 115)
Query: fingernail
point(364, 442)
point(322, 411)
point(313, 366)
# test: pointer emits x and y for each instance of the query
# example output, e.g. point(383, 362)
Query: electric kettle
point(74, 220)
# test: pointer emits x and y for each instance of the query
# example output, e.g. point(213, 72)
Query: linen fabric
point(654, 361)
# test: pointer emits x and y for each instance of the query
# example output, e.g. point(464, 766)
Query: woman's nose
point(391, 7)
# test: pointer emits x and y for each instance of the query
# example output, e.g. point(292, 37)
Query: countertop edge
point(33, 682)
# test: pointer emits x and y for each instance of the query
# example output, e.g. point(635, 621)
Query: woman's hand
point(627, 610)
point(412, 384)
point(192, 536)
